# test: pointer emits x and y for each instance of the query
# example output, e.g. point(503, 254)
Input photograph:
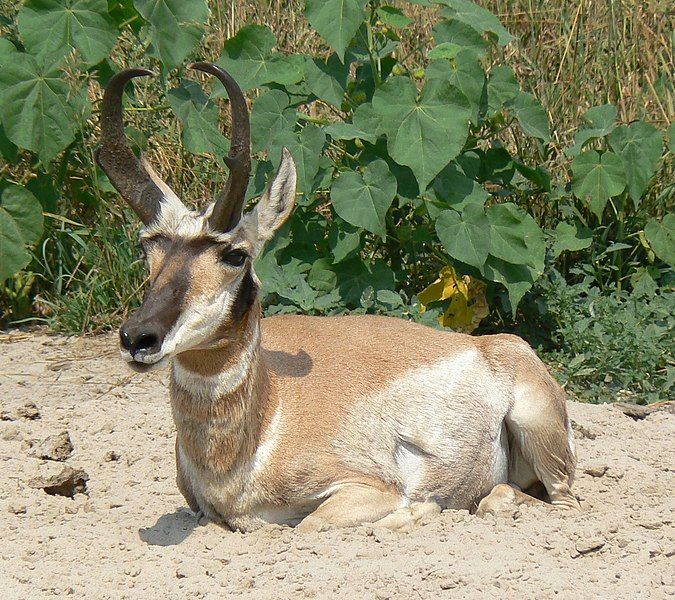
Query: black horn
point(116, 157)
point(230, 202)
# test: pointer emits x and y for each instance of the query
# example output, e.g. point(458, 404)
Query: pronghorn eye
point(235, 258)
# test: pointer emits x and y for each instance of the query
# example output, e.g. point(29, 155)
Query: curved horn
point(230, 202)
point(117, 159)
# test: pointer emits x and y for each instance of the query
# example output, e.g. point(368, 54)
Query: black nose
point(137, 341)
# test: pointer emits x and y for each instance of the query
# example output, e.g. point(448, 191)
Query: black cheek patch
point(245, 296)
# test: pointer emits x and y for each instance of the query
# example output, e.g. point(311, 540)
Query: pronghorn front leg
point(352, 504)
point(505, 498)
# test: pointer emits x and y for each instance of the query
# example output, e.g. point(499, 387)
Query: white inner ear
point(278, 201)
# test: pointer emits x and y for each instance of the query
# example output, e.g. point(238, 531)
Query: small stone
point(448, 584)
point(56, 447)
point(17, 509)
point(29, 411)
point(5, 416)
point(11, 433)
point(583, 431)
point(66, 482)
point(596, 471)
point(589, 545)
point(111, 456)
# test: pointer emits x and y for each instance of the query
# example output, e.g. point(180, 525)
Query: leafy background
point(452, 169)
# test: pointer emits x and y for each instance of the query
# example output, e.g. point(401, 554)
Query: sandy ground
point(131, 536)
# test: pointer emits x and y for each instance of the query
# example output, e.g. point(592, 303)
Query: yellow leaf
point(468, 305)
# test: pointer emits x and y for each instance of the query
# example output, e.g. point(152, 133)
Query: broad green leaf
point(446, 50)
point(366, 119)
point(424, 133)
point(321, 276)
point(517, 279)
point(37, 109)
point(661, 237)
point(305, 147)
point(52, 28)
point(363, 199)
point(176, 27)
point(250, 59)
point(477, 17)
point(199, 117)
point(496, 166)
point(327, 79)
point(355, 275)
point(457, 32)
point(271, 115)
point(597, 178)
point(336, 21)
point(600, 121)
point(20, 226)
point(537, 175)
point(502, 88)
point(515, 236)
point(570, 238)
point(640, 146)
point(8, 150)
point(531, 116)
point(463, 72)
point(466, 235)
point(344, 240)
point(392, 16)
point(349, 131)
point(453, 189)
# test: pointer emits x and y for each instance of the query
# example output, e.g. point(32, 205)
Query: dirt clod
point(28, 411)
point(66, 482)
point(55, 447)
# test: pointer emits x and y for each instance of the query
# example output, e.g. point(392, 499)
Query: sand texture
point(75, 422)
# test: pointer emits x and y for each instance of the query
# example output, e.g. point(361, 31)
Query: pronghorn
point(318, 421)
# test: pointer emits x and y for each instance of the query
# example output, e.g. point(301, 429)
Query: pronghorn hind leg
point(403, 519)
point(351, 505)
point(505, 499)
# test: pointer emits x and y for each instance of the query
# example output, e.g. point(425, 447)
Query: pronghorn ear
point(276, 204)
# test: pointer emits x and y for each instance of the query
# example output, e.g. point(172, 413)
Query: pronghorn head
point(201, 285)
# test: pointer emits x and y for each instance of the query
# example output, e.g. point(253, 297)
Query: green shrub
point(615, 345)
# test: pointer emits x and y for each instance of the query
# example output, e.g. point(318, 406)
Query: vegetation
point(433, 183)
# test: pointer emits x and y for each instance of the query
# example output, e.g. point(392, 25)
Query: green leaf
point(456, 32)
point(199, 117)
point(424, 133)
point(349, 131)
point(327, 79)
point(321, 276)
point(363, 199)
point(466, 235)
point(392, 16)
point(250, 58)
point(37, 109)
point(515, 236)
point(271, 116)
point(517, 279)
point(446, 50)
point(336, 21)
point(356, 275)
point(453, 189)
point(571, 238)
point(640, 146)
point(600, 121)
point(531, 116)
point(597, 178)
point(463, 72)
point(21, 225)
point(305, 147)
point(502, 88)
point(671, 138)
point(52, 28)
point(366, 119)
point(176, 27)
point(661, 237)
point(479, 18)
point(344, 240)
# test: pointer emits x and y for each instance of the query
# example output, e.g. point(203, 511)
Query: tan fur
point(333, 421)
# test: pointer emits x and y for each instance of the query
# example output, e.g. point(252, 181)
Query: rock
point(5, 416)
point(28, 411)
point(17, 509)
point(589, 545)
point(111, 456)
point(66, 482)
point(583, 431)
point(56, 447)
point(596, 471)
point(638, 412)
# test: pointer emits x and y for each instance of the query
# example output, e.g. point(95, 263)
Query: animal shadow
point(170, 529)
